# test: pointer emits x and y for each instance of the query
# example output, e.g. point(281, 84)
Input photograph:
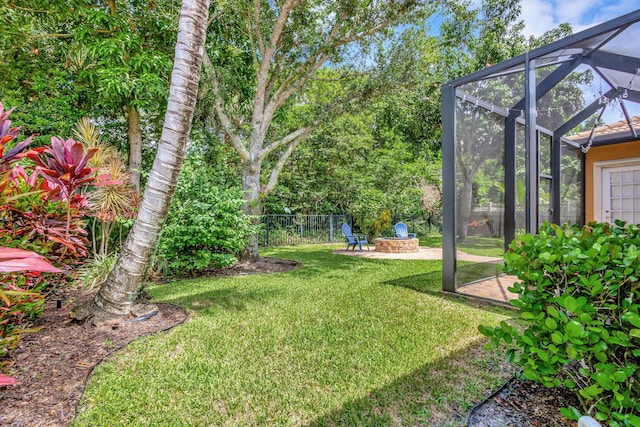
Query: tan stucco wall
point(622, 151)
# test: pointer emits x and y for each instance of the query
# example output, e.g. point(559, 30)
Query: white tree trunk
point(465, 200)
point(117, 294)
point(251, 188)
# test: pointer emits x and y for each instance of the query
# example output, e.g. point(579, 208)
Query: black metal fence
point(280, 230)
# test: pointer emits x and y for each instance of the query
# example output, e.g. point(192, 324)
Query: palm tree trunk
point(117, 294)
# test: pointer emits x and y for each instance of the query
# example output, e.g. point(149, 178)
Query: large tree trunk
point(465, 198)
point(251, 188)
point(117, 294)
point(134, 135)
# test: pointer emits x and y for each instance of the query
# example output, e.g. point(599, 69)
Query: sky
point(543, 15)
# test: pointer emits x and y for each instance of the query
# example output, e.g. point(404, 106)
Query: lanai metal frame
point(601, 49)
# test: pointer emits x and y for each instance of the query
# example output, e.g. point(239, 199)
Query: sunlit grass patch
point(339, 341)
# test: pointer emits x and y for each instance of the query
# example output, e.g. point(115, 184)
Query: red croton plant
point(8, 134)
point(63, 165)
point(11, 261)
point(42, 210)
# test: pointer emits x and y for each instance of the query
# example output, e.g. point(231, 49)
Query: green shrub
point(376, 226)
point(579, 303)
point(94, 271)
point(205, 227)
point(371, 214)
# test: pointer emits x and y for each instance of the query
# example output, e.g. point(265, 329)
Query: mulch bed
point(52, 366)
point(522, 403)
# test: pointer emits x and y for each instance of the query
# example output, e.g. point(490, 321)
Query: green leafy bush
point(579, 302)
point(376, 226)
point(205, 227)
point(371, 214)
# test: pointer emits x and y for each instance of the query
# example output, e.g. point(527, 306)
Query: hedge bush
point(205, 227)
point(579, 321)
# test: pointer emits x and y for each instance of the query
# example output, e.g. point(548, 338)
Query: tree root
point(90, 312)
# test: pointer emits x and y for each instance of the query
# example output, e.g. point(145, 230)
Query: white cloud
point(543, 15)
point(538, 16)
point(574, 11)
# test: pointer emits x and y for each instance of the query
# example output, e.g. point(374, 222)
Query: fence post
point(331, 228)
point(301, 232)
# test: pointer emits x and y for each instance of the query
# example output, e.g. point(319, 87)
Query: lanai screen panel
point(479, 189)
point(571, 186)
point(545, 210)
point(520, 186)
point(618, 59)
point(482, 112)
point(568, 97)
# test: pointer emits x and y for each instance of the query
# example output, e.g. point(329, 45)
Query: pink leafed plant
point(64, 165)
point(8, 134)
point(12, 260)
point(16, 260)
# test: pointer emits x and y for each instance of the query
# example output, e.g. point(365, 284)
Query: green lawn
point(475, 245)
point(339, 341)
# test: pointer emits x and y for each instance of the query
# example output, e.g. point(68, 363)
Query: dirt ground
point(53, 365)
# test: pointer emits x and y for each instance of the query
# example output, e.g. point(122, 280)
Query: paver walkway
point(493, 288)
point(423, 253)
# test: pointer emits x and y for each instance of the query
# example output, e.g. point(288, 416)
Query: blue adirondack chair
point(352, 239)
point(402, 231)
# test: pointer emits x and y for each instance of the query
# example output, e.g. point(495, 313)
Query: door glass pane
point(627, 177)
point(615, 177)
point(615, 191)
point(621, 194)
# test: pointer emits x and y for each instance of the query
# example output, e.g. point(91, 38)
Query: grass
point(474, 245)
point(486, 246)
point(339, 341)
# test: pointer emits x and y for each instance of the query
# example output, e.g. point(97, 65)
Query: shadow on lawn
point(424, 283)
point(229, 299)
point(437, 394)
point(322, 262)
point(237, 298)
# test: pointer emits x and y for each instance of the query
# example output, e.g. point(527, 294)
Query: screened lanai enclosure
point(551, 135)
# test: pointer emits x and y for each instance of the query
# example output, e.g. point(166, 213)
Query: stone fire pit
point(397, 245)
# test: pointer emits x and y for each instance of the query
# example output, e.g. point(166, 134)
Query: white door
point(621, 193)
